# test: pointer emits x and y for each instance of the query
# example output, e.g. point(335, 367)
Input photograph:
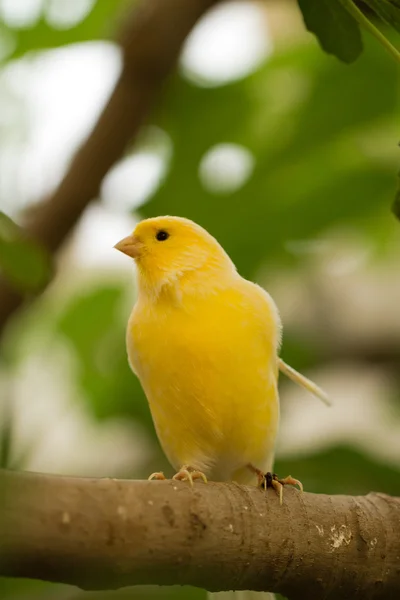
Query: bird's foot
point(266, 480)
point(159, 475)
point(272, 480)
point(186, 473)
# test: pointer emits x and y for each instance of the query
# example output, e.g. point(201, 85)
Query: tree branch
point(151, 42)
point(106, 533)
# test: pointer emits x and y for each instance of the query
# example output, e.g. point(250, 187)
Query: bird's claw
point(189, 474)
point(186, 473)
point(272, 480)
point(158, 475)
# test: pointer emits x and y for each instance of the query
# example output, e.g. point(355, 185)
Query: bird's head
point(170, 249)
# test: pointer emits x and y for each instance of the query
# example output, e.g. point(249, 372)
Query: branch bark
point(151, 41)
point(105, 534)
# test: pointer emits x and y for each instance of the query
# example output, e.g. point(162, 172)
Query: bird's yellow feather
point(203, 342)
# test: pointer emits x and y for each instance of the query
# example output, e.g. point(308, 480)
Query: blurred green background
point(287, 156)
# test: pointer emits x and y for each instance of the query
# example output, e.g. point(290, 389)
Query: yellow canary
point(204, 343)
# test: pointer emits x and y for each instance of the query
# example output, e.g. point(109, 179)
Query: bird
point(204, 343)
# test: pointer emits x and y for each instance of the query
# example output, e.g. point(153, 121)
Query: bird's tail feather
point(240, 595)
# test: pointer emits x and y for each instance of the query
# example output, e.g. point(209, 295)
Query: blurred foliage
point(6, 437)
point(94, 326)
point(17, 589)
point(99, 24)
point(340, 469)
point(22, 261)
point(396, 203)
point(302, 117)
point(324, 142)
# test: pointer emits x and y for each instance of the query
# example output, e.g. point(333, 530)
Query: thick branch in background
point(106, 533)
point(151, 42)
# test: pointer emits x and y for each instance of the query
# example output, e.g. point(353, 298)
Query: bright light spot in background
point(227, 44)
point(20, 13)
point(60, 14)
point(99, 229)
point(63, 91)
point(225, 168)
point(63, 14)
point(135, 178)
point(132, 181)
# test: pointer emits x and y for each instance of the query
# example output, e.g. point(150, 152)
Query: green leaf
point(387, 10)
point(24, 262)
point(337, 32)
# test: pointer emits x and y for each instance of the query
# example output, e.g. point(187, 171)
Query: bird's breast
point(208, 372)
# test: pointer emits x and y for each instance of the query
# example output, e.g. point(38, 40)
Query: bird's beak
point(130, 246)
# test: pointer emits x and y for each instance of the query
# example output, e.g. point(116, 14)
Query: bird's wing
point(270, 309)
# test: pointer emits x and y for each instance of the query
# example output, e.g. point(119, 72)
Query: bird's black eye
point(162, 235)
